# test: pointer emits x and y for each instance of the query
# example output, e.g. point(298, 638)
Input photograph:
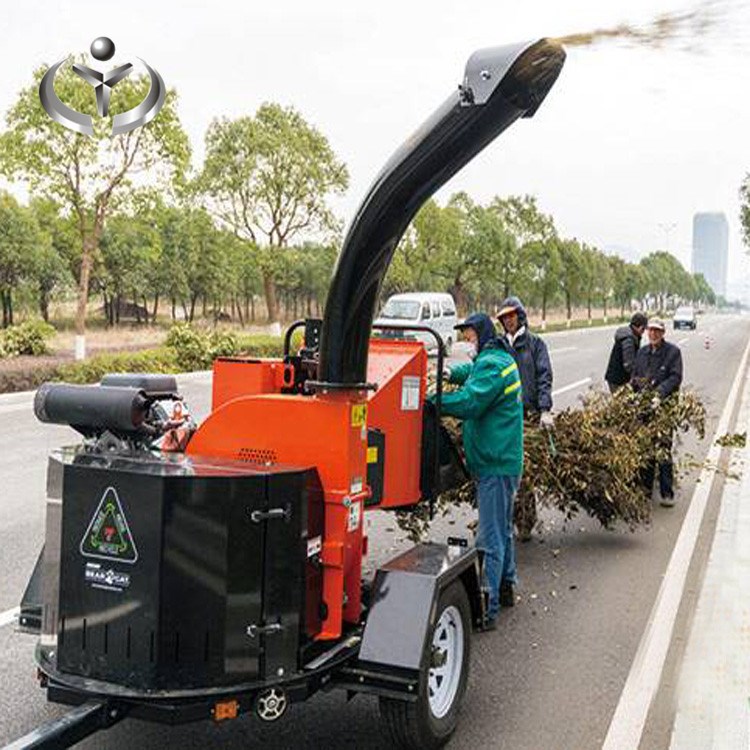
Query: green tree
point(204, 257)
point(53, 269)
point(666, 278)
point(545, 265)
point(89, 175)
point(269, 178)
point(571, 281)
point(628, 282)
point(131, 254)
point(704, 294)
point(603, 281)
point(173, 271)
point(500, 269)
point(523, 219)
point(21, 242)
point(433, 252)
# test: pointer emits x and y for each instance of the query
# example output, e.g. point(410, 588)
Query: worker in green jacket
point(490, 404)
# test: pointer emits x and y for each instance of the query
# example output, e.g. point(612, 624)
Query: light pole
point(667, 228)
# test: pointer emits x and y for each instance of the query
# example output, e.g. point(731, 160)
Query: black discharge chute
point(500, 85)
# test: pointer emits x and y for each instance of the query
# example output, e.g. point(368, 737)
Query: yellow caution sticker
point(372, 454)
point(359, 415)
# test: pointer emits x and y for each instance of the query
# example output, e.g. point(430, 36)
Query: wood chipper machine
point(205, 572)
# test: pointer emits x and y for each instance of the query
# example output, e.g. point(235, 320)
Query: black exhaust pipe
point(91, 409)
point(500, 85)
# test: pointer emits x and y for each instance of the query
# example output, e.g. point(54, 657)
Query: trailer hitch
point(71, 728)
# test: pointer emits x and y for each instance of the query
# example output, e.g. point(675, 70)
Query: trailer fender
point(404, 597)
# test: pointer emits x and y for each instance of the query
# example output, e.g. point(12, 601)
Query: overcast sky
point(628, 142)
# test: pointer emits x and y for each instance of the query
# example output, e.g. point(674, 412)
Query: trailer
point(203, 572)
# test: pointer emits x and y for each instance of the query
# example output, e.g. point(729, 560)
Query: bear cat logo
point(108, 536)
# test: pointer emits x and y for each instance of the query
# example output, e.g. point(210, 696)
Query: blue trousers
point(495, 496)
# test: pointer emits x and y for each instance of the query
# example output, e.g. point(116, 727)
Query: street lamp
point(667, 229)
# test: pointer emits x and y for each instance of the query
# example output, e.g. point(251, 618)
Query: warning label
point(410, 393)
point(355, 516)
point(359, 415)
point(108, 535)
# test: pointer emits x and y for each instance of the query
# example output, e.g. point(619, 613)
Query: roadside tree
point(269, 178)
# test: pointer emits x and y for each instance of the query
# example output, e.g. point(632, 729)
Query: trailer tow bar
point(74, 726)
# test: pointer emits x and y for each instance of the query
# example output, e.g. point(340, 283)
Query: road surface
point(549, 679)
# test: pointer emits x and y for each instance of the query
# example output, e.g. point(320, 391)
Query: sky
point(629, 144)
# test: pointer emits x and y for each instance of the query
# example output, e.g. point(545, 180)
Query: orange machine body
point(253, 420)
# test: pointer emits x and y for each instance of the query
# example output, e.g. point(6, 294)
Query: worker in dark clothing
point(658, 370)
point(532, 357)
point(626, 346)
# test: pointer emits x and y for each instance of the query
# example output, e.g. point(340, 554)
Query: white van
point(684, 317)
point(433, 309)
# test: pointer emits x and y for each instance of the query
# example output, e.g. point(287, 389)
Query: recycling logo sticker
point(108, 536)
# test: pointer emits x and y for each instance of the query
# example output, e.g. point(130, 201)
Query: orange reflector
point(226, 710)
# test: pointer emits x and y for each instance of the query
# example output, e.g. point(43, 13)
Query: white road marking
point(627, 724)
point(9, 617)
point(23, 401)
point(682, 341)
point(563, 349)
point(714, 681)
point(571, 387)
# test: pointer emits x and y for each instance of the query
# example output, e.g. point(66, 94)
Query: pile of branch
point(590, 461)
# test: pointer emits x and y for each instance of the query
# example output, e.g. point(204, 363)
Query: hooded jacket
point(490, 405)
point(622, 358)
point(531, 354)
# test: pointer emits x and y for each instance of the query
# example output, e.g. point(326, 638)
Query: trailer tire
point(415, 725)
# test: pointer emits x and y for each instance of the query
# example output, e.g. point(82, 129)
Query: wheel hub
point(446, 665)
point(271, 704)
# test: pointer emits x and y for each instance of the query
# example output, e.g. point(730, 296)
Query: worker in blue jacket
point(489, 403)
point(530, 353)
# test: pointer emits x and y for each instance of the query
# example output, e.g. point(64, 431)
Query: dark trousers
point(666, 473)
point(614, 387)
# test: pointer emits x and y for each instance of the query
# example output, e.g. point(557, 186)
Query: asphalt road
point(548, 679)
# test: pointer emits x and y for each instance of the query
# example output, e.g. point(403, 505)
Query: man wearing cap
point(489, 403)
point(531, 355)
point(622, 357)
point(658, 370)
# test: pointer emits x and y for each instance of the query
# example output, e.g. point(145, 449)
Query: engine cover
point(185, 573)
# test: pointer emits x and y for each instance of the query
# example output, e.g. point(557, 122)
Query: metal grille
point(264, 456)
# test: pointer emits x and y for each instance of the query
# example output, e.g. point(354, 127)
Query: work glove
point(656, 402)
point(546, 420)
point(446, 374)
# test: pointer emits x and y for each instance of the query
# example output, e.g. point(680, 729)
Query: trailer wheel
point(429, 722)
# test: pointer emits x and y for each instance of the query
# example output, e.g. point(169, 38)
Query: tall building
point(711, 249)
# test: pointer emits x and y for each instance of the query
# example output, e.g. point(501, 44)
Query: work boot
point(667, 501)
point(507, 595)
point(488, 625)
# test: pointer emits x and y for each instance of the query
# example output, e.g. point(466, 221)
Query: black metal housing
point(196, 574)
point(405, 591)
point(500, 86)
